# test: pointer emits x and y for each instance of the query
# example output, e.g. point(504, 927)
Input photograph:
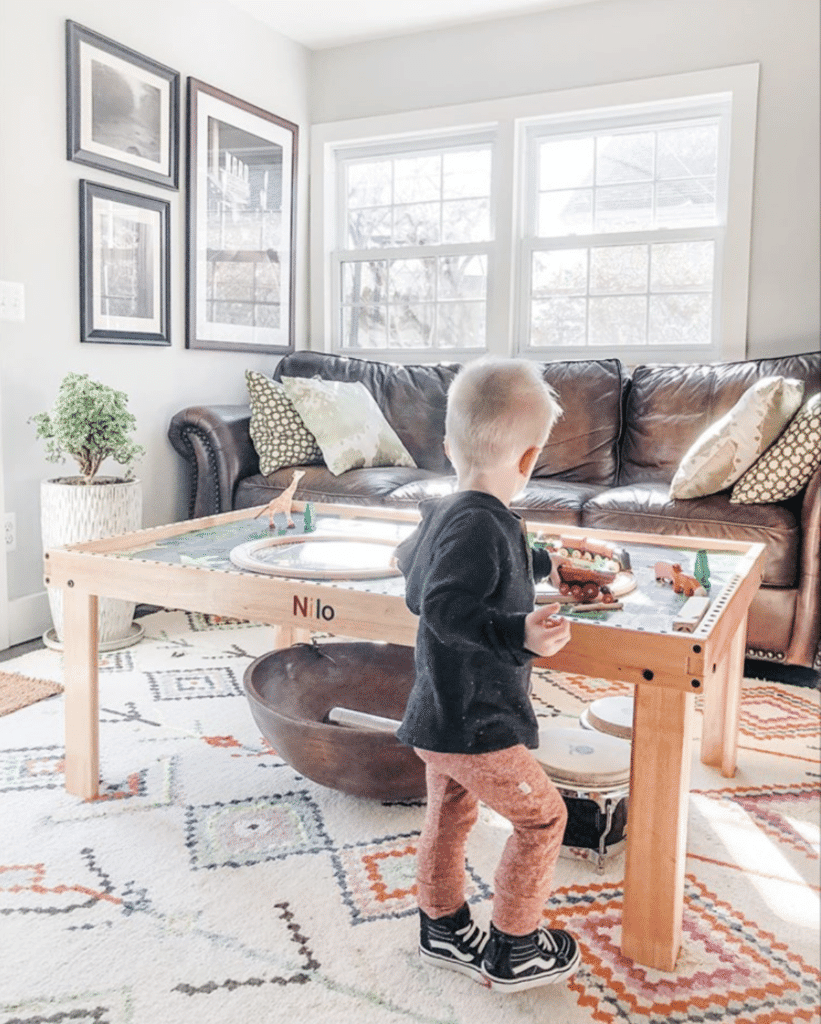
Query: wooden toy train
point(587, 567)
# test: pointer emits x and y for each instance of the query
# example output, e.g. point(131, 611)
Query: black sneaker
point(516, 962)
point(455, 942)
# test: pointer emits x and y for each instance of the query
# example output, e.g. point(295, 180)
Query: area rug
point(211, 883)
point(18, 691)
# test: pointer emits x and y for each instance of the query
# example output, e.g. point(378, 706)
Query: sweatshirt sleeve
point(464, 571)
point(542, 563)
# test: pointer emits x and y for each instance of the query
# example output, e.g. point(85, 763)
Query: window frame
point(509, 120)
point(654, 117)
point(339, 255)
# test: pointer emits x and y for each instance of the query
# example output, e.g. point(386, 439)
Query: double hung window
point(411, 265)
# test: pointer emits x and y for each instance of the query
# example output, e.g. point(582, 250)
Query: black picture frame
point(240, 224)
point(122, 109)
point(125, 273)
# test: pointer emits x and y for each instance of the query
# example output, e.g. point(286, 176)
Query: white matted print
point(123, 109)
point(124, 266)
point(241, 203)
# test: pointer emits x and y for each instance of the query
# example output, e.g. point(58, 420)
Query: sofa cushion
point(648, 508)
point(584, 443)
point(279, 435)
point(786, 467)
point(669, 406)
point(372, 486)
point(728, 447)
point(347, 423)
point(412, 398)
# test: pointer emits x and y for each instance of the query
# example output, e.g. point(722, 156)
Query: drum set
point(590, 766)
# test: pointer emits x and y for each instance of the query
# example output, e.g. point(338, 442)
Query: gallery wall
point(623, 40)
point(209, 40)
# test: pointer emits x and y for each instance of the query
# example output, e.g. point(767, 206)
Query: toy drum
point(591, 770)
point(613, 715)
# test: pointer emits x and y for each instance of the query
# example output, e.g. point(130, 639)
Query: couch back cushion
point(413, 398)
point(669, 406)
point(584, 444)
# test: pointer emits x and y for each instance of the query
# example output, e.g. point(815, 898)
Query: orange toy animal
point(282, 502)
point(684, 584)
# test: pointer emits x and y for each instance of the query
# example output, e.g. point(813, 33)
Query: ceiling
point(320, 24)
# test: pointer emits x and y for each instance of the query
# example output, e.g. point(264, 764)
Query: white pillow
point(347, 423)
point(732, 444)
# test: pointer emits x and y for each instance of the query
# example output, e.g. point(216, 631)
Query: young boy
point(470, 578)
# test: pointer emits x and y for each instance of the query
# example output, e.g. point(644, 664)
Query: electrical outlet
point(10, 531)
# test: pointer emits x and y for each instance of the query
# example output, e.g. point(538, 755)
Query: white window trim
point(509, 118)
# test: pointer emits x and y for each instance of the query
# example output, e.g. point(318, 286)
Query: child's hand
point(544, 634)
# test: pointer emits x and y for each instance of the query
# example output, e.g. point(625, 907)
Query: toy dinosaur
point(282, 502)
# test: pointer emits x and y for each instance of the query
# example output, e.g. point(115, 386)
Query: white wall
point(209, 40)
point(621, 40)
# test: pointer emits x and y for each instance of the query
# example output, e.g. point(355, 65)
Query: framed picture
point(123, 110)
point(241, 210)
point(124, 267)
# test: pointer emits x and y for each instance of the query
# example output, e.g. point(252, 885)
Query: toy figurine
point(282, 502)
point(687, 585)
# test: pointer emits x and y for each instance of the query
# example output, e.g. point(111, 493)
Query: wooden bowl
point(291, 691)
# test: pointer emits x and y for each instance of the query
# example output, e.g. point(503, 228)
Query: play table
point(187, 565)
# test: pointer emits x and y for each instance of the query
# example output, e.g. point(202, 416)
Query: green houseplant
point(89, 422)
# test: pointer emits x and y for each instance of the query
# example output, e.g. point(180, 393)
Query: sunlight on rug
point(210, 882)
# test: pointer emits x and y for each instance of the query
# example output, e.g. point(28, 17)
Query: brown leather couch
point(607, 465)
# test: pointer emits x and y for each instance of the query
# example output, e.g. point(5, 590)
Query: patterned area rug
point(211, 883)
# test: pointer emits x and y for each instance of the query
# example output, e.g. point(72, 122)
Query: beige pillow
point(732, 444)
point(786, 466)
point(277, 431)
point(347, 423)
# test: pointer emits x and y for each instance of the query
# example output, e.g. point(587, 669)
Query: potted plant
point(89, 422)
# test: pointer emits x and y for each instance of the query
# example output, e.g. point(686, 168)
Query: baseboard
point(29, 617)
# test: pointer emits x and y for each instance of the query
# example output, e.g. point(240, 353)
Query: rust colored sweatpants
point(512, 783)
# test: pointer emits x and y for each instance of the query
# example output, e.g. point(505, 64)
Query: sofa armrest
point(807, 623)
point(214, 441)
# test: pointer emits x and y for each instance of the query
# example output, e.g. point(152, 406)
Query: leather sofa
point(607, 465)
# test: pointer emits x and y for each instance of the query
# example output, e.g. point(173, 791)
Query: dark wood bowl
point(291, 692)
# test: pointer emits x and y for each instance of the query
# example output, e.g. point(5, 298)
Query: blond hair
point(497, 409)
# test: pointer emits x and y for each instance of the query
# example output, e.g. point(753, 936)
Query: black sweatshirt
point(470, 578)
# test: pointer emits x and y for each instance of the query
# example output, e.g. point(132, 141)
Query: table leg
point(82, 707)
point(657, 826)
point(722, 705)
point(287, 636)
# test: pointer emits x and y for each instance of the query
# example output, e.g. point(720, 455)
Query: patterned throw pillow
point(732, 444)
point(348, 424)
point(277, 431)
point(785, 467)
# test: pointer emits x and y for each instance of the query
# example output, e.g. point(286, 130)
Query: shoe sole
point(521, 984)
point(473, 971)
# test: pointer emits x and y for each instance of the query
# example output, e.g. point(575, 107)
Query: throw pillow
point(348, 424)
point(277, 431)
point(732, 444)
point(786, 466)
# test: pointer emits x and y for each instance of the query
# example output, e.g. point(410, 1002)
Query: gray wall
point(620, 40)
point(209, 40)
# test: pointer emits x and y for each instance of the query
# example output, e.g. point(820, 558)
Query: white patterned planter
point(71, 513)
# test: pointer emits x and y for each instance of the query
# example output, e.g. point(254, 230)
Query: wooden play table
point(186, 565)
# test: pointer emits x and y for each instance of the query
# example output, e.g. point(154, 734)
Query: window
point(604, 221)
point(625, 234)
point(413, 241)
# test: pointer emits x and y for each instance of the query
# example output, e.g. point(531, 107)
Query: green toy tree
point(89, 422)
point(702, 569)
point(308, 519)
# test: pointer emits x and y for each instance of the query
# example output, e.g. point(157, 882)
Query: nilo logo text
point(315, 609)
